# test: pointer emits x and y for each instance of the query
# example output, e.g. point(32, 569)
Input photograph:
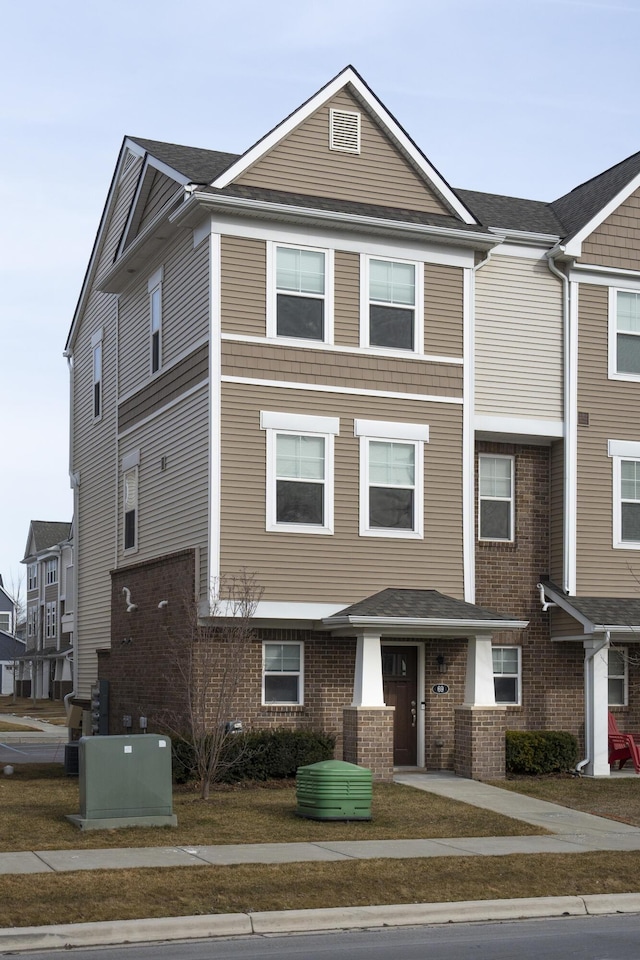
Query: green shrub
point(544, 751)
point(258, 755)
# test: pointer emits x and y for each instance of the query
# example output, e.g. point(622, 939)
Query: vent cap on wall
point(344, 131)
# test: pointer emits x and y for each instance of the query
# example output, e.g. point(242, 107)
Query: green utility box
point(125, 782)
point(334, 790)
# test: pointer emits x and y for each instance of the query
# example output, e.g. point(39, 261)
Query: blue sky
point(522, 97)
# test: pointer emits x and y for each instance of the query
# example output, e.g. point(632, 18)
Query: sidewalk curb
point(110, 933)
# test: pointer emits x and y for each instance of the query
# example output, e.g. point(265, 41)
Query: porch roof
point(598, 614)
point(424, 611)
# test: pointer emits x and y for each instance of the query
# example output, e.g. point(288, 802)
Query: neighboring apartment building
point(48, 656)
point(10, 646)
point(402, 406)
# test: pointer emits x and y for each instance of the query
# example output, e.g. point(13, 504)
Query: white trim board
point(350, 391)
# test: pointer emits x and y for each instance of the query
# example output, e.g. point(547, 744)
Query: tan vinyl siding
point(518, 339)
point(115, 229)
point(616, 242)
point(185, 311)
point(343, 567)
point(162, 189)
point(347, 299)
point(557, 512)
point(165, 388)
point(173, 503)
point(379, 174)
point(614, 414)
point(243, 286)
point(325, 367)
point(443, 310)
point(563, 625)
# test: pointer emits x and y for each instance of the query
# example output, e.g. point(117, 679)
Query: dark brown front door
point(400, 683)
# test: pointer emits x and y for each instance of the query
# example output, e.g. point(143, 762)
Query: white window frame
point(97, 363)
point(51, 570)
point(517, 676)
point(624, 676)
point(154, 288)
point(32, 576)
point(414, 434)
point(272, 293)
point(276, 424)
point(32, 621)
point(365, 301)
point(9, 626)
point(614, 374)
point(511, 500)
point(51, 613)
point(300, 674)
point(130, 467)
point(618, 542)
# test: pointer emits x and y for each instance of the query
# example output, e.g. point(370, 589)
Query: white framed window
point(624, 334)
point(96, 360)
point(496, 508)
point(391, 478)
point(51, 570)
point(299, 496)
point(154, 287)
point(507, 674)
point(51, 609)
point(626, 503)
point(6, 621)
point(618, 676)
point(282, 673)
point(32, 621)
point(32, 576)
point(300, 297)
point(391, 304)
point(130, 466)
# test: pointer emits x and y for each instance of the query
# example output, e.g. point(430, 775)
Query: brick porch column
point(368, 722)
point(480, 725)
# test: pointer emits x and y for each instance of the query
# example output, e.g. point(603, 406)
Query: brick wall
point(506, 578)
point(368, 739)
point(480, 735)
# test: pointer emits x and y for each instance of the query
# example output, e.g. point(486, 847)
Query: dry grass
point(22, 707)
point(615, 798)
point(185, 891)
point(8, 727)
point(240, 814)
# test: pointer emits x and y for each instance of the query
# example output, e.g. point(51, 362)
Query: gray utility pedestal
point(125, 782)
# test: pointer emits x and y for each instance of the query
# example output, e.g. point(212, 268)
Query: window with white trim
point(282, 673)
point(626, 503)
point(32, 621)
point(6, 621)
point(392, 304)
point(624, 334)
point(32, 576)
point(154, 287)
point(496, 500)
point(299, 496)
point(506, 674)
point(618, 676)
point(96, 353)
point(391, 478)
point(51, 609)
point(130, 465)
point(51, 570)
point(300, 301)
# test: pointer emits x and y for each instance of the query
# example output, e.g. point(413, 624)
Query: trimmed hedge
point(258, 755)
point(540, 751)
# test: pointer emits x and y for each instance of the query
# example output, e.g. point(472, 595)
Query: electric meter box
point(125, 781)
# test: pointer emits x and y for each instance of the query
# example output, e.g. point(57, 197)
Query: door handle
point(413, 713)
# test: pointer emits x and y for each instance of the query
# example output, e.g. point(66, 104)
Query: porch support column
point(596, 700)
point(368, 722)
point(480, 724)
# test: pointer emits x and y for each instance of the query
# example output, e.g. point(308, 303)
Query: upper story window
point(506, 674)
point(300, 303)
point(391, 478)
point(96, 351)
point(154, 287)
point(391, 304)
point(299, 494)
point(624, 335)
point(51, 570)
point(51, 613)
point(32, 621)
point(618, 676)
point(32, 576)
point(6, 621)
point(626, 505)
point(495, 489)
point(130, 466)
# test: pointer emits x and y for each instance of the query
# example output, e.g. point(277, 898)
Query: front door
point(400, 685)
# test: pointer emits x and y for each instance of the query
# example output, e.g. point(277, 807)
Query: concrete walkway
point(571, 831)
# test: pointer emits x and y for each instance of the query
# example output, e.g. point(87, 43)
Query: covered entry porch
point(404, 644)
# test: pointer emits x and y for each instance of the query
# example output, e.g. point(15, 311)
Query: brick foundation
point(368, 739)
point(480, 742)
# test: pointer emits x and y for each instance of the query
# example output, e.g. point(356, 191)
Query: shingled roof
point(48, 533)
point(409, 604)
point(198, 165)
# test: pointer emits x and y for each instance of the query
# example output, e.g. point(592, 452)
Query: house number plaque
point(440, 688)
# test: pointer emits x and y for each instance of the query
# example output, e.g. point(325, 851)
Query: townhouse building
point(406, 408)
point(45, 666)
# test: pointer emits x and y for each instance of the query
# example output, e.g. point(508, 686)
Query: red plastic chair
point(622, 746)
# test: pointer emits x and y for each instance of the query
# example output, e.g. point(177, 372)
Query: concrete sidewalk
point(571, 831)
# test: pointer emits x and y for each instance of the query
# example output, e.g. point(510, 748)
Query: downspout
point(588, 706)
point(570, 436)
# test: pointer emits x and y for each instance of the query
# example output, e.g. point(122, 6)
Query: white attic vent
point(344, 131)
